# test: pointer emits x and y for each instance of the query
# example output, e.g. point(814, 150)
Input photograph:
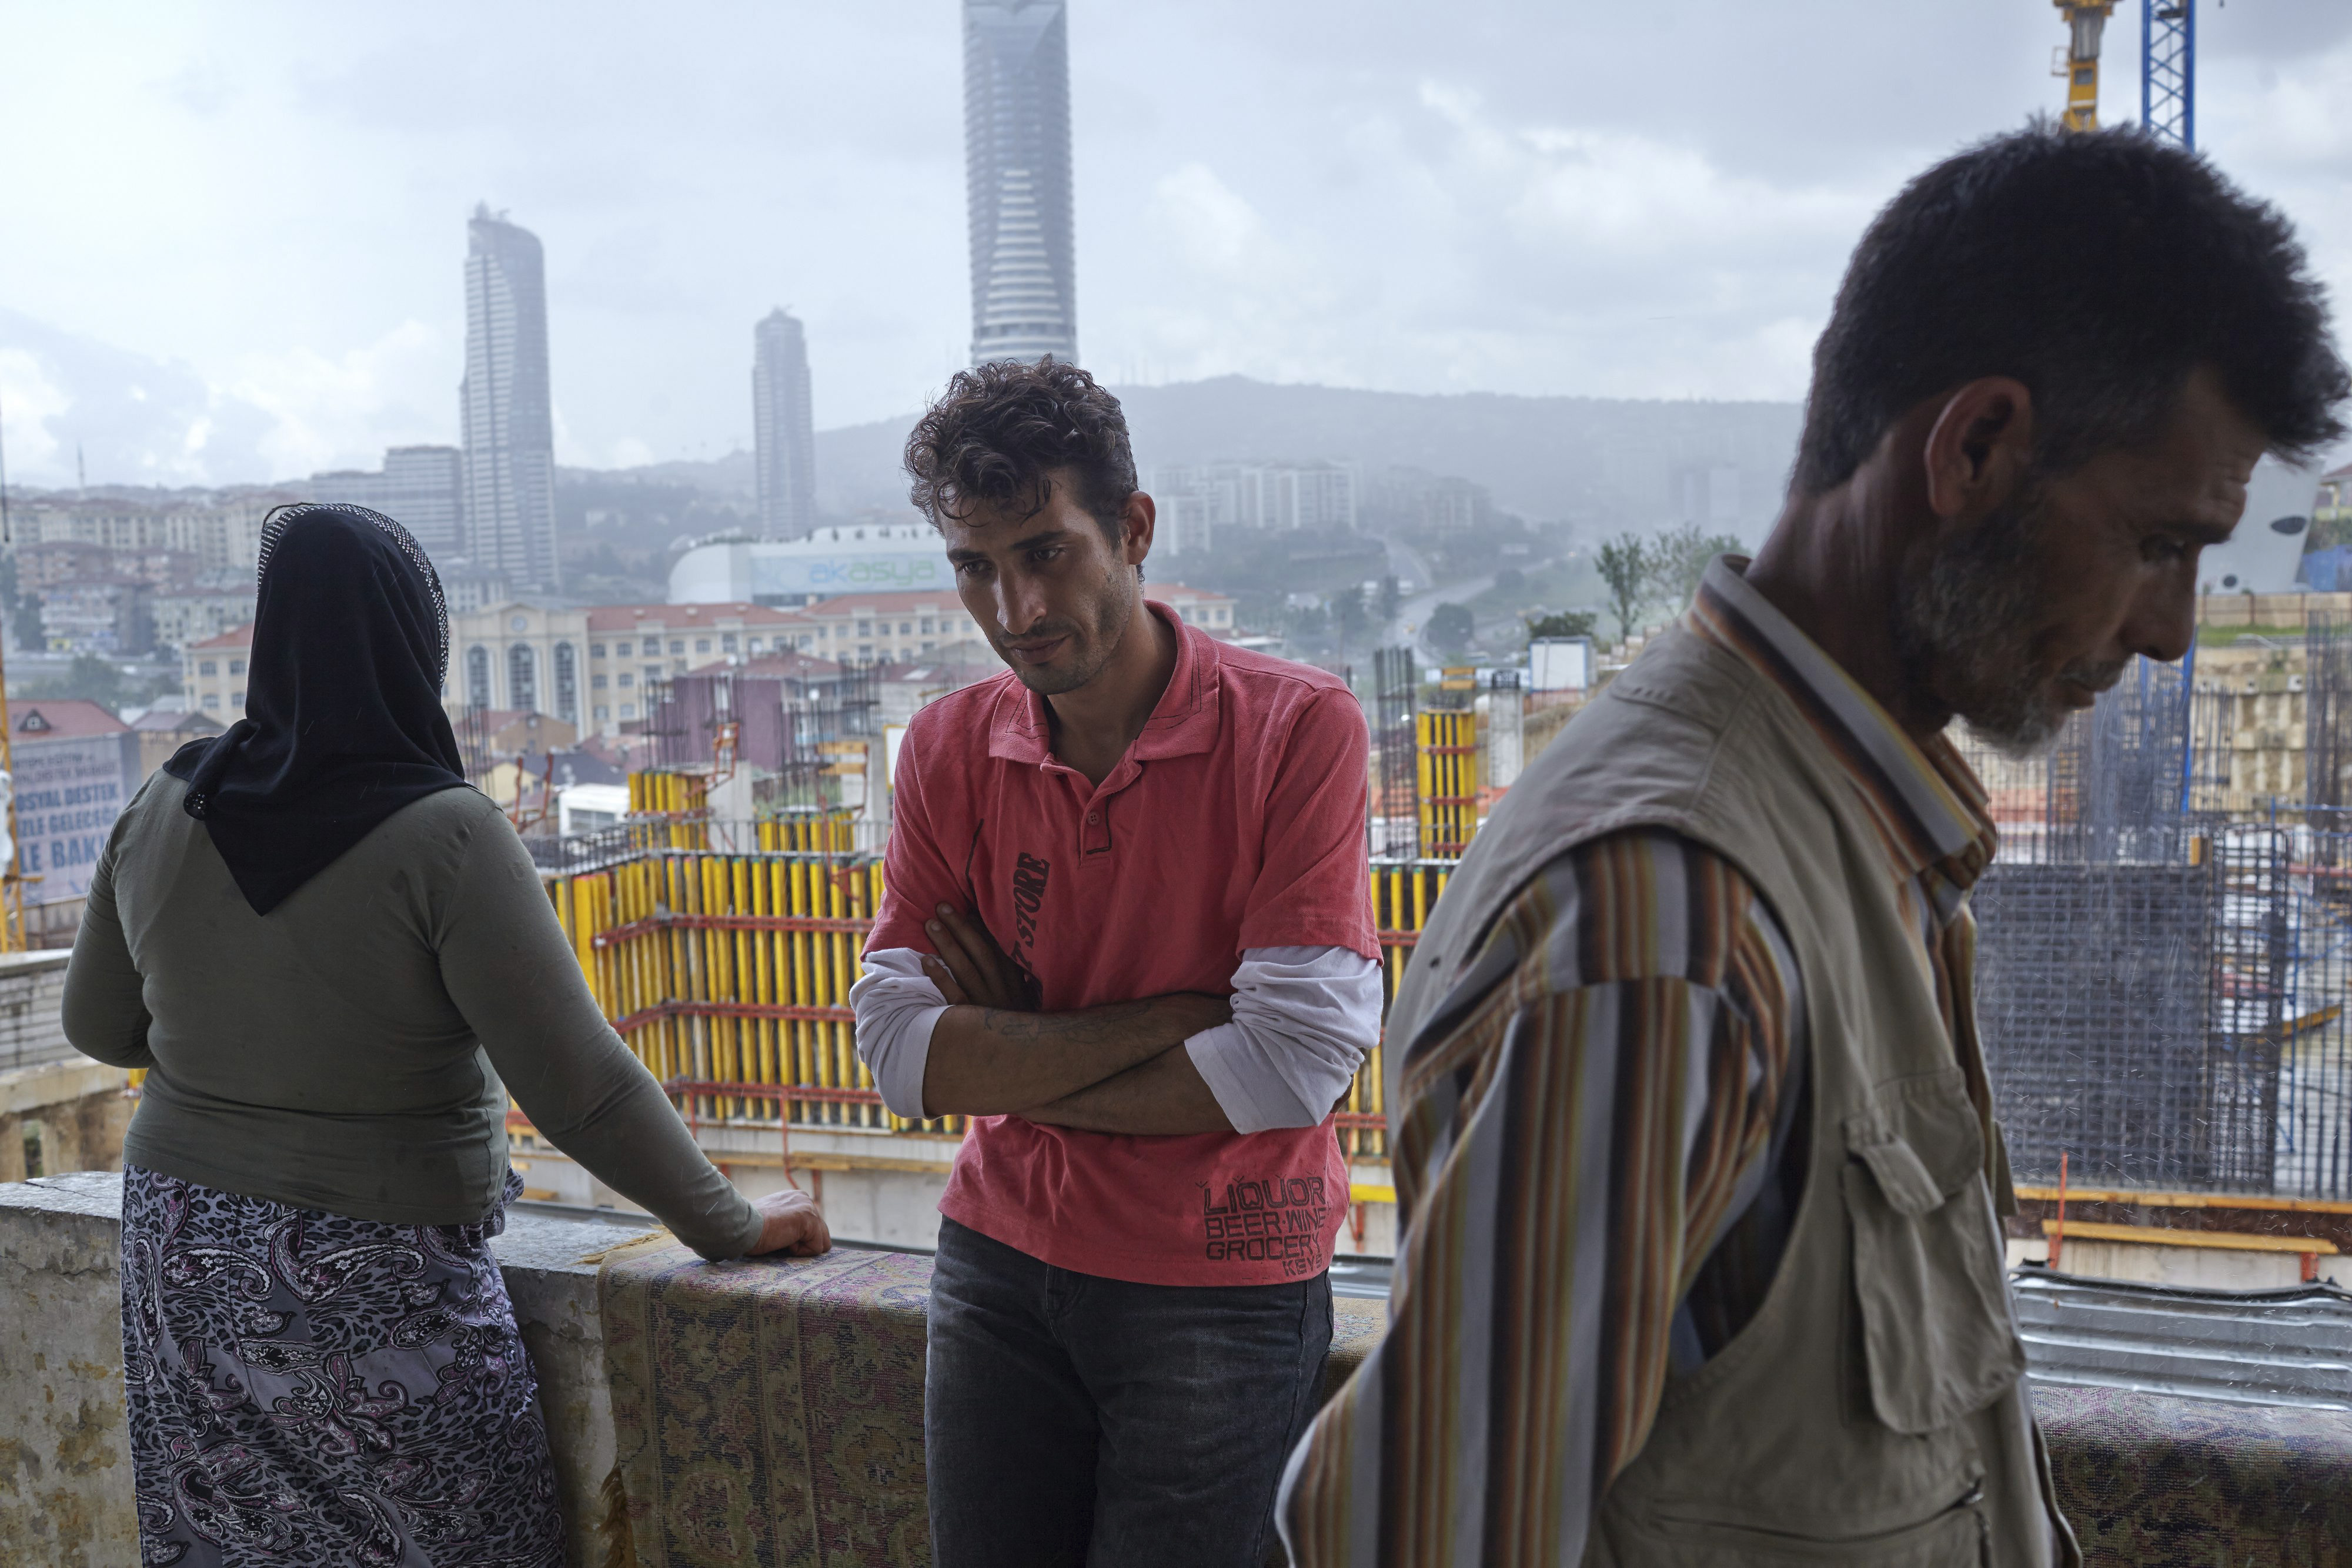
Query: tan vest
point(1874, 1410)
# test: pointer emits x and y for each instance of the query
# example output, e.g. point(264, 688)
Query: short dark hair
point(1000, 427)
point(2099, 268)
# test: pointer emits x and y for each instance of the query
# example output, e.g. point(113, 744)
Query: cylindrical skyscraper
point(506, 410)
point(783, 433)
point(1016, 135)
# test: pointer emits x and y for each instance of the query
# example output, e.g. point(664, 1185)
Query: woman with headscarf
point(336, 962)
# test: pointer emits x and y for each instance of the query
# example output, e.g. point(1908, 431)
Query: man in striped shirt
point(1614, 1093)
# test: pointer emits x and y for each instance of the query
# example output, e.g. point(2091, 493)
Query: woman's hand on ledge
point(789, 1222)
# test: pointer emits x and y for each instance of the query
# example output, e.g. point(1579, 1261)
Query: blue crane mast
point(2168, 70)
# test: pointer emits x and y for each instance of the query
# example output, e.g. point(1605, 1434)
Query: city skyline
point(783, 428)
point(505, 407)
point(1017, 179)
point(421, 487)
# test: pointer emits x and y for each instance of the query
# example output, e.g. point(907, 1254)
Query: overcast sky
point(231, 235)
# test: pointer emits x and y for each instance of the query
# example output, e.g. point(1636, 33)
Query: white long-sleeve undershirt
point(1303, 1020)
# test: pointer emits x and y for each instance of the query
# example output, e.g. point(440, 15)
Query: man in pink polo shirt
point(1128, 932)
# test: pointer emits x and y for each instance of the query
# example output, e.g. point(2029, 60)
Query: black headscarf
point(343, 722)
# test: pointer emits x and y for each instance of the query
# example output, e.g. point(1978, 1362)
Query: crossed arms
point(956, 1031)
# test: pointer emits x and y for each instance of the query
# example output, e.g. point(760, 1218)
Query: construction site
point(2165, 945)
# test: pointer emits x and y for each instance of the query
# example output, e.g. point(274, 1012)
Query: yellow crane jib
point(2078, 59)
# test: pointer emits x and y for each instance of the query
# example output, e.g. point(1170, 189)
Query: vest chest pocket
point(1938, 1336)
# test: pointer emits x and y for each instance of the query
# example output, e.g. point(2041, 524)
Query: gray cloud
point(1496, 194)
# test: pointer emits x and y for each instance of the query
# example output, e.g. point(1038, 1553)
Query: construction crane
point(2078, 59)
point(12, 881)
point(2168, 68)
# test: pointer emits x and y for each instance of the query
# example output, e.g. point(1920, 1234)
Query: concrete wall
point(32, 987)
point(2206, 1268)
point(874, 1187)
point(65, 1457)
point(62, 1116)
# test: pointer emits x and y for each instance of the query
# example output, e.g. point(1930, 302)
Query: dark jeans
point(1070, 1419)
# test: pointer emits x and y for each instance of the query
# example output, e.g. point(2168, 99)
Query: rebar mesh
point(2161, 981)
point(1396, 814)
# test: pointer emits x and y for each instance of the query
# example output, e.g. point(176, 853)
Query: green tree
point(1450, 627)
point(23, 610)
point(1678, 559)
point(1347, 613)
point(1565, 623)
point(94, 677)
point(1391, 597)
point(1625, 567)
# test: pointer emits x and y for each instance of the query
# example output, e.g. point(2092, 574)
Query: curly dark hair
point(1000, 428)
point(2098, 268)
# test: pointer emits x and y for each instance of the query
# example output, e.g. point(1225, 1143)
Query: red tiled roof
point(798, 666)
point(499, 717)
point(609, 618)
point(935, 672)
point(237, 637)
point(902, 601)
point(60, 718)
point(166, 718)
point(886, 602)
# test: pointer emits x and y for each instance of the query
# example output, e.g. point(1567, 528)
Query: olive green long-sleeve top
point(353, 1050)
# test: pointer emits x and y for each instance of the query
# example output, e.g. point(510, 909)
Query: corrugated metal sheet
point(2254, 1347)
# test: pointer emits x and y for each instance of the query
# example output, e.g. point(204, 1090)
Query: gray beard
point(1965, 632)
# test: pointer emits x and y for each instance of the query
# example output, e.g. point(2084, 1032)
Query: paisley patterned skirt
point(318, 1392)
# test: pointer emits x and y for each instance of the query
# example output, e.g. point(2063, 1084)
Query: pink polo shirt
point(1235, 821)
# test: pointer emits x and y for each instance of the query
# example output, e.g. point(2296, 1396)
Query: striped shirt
point(1602, 1141)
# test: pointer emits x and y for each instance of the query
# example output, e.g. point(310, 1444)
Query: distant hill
point(1601, 462)
point(1609, 462)
point(733, 475)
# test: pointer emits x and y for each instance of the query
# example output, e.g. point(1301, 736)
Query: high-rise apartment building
point(783, 435)
point(506, 411)
point(422, 488)
point(1016, 137)
point(1198, 500)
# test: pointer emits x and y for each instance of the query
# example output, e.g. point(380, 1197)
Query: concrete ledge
point(2146, 1478)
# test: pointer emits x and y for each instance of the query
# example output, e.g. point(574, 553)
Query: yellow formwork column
point(1446, 748)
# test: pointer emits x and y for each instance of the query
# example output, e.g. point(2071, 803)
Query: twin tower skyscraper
point(1017, 184)
point(508, 414)
point(1016, 120)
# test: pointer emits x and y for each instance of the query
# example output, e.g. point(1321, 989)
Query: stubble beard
point(1965, 632)
point(1091, 649)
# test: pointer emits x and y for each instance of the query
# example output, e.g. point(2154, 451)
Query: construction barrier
point(729, 972)
point(1446, 756)
point(729, 975)
point(670, 807)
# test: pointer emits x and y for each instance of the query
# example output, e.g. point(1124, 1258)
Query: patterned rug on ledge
point(2191, 1483)
point(769, 1412)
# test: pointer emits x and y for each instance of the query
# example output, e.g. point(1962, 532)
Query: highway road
point(1409, 564)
